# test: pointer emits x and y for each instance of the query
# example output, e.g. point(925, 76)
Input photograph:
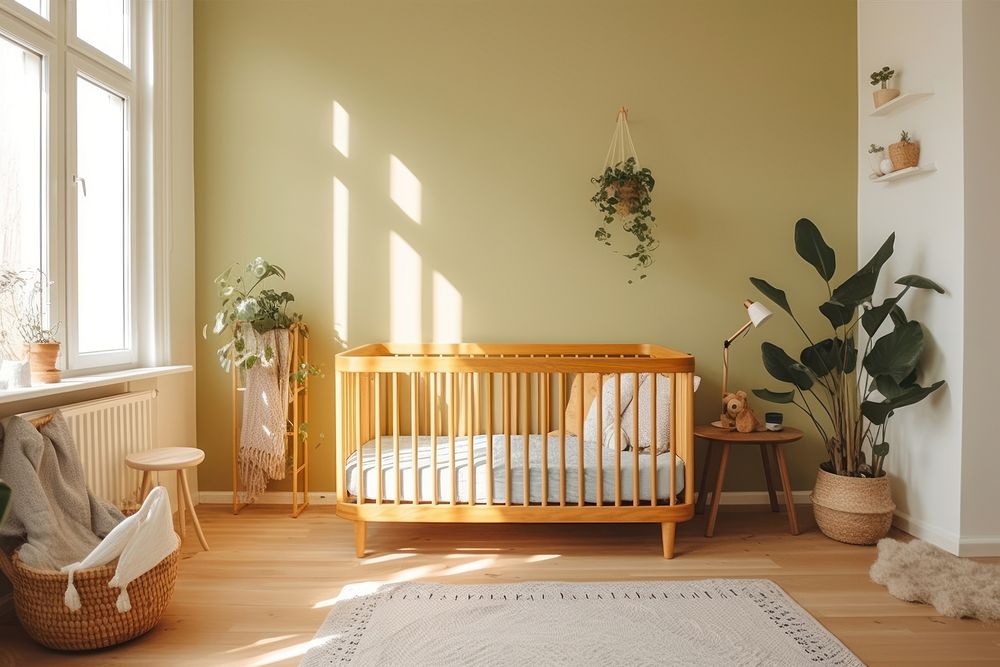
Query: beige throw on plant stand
point(265, 415)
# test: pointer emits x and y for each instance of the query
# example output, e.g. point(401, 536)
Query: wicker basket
point(904, 154)
point(38, 600)
point(855, 510)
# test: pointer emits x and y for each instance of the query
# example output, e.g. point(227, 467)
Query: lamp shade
point(758, 313)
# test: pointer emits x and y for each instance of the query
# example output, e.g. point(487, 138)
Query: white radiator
point(105, 430)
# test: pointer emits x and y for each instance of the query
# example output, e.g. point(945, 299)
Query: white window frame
point(77, 66)
point(64, 56)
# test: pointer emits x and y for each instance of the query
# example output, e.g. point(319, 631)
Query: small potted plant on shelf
point(24, 298)
point(851, 392)
point(876, 154)
point(905, 152)
point(623, 193)
point(884, 94)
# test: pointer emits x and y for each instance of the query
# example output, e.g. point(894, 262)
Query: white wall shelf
point(901, 102)
point(904, 173)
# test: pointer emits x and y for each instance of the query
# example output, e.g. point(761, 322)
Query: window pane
point(105, 24)
point(102, 218)
point(40, 7)
point(21, 211)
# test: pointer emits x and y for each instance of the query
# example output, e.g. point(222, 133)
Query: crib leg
point(360, 532)
point(669, 532)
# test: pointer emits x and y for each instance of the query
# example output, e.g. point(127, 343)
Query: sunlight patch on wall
point(447, 311)
point(341, 225)
point(405, 325)
point(405, 189)
point(341, 129)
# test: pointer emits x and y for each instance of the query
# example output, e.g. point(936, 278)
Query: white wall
point(922, 41)
point(942, 461)
point(980, 453)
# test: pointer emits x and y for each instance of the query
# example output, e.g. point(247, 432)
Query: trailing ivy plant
point(623, 192)
point(847, 392)
point(247, 304)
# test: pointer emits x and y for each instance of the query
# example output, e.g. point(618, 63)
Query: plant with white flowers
point(246, 303)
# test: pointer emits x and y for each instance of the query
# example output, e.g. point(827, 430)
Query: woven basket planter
point(855, 510)
point(904, 154)
point(38, 601)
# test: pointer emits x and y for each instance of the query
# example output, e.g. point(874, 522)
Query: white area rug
point(711, 622)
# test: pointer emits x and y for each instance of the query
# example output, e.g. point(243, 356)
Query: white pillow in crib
point(628, 406)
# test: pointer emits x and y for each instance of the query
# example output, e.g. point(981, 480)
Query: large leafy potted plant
point(849, 388)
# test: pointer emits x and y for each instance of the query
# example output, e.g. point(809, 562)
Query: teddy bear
point(736, 412)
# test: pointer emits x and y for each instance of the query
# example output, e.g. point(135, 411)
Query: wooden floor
point(263, 590)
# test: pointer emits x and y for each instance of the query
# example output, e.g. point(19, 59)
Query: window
point(68, 164)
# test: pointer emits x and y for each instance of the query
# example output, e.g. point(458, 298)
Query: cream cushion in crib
point(630, 402)
point(591, 385)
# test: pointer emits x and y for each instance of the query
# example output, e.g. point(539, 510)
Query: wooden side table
point(722, 440)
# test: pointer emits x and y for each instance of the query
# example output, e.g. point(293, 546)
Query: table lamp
point(759, 314)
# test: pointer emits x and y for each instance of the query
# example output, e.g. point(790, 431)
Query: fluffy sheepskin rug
point(920, 572)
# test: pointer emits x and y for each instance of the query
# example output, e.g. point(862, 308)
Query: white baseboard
point(267, 498)
point(929, 533)
point(979, 545)
point(330, 498)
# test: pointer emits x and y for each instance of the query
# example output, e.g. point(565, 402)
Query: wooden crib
point(477, 433)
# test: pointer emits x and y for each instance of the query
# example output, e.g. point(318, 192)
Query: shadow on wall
point(405, 264)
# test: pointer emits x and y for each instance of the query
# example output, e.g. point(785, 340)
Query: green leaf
point(775, 396)
point(881, 449)
point(897, 353)
point(837, 314)
point(874, 317)
point(881, 256)
point(859, 288)
point(773, 293)
point(783, 367)
point(898, 316)
point(811, 247)
point(876, 413)
point(920, 282)
point(829, 355)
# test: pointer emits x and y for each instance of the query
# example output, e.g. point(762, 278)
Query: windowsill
point(77, 383)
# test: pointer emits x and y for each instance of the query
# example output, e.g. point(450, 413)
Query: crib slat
point(635, 440)
point(580, 468)
point(600, 440)
point(452, 427)
point(378, 438)
point(489, 438)
point(470, 433)
point(544, 415)
point(415, 433)
point(618, 439)
point(562, 439)
point(360, 450)
point(526, 463)
point(434, 440)
point(652, 439)
point(506, 436)
point(395, 436)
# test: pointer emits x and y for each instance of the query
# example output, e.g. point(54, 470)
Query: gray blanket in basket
point(53, 518)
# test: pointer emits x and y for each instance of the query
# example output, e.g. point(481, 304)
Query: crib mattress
point(426, 471)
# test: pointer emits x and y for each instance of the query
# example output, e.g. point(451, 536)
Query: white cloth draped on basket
point(265, 415)
point(139, 543)
point(629, 404)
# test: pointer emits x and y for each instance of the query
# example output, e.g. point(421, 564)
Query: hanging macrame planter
point(623, 196)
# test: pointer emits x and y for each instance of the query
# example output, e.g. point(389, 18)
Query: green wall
point(745, 112)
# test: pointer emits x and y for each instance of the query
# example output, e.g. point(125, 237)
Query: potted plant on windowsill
point(851, 392)
point(25, 294)
point(884, 94)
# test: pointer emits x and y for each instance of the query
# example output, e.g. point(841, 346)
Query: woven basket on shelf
point(904, 154)
point(38, 601)
point(855, 510)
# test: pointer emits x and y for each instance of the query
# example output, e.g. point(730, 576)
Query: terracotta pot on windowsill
point(42, 359)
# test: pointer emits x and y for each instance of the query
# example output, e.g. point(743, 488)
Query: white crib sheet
point(425, 472)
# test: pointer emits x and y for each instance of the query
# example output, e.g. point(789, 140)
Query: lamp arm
point(739, 332)
point(725, 354)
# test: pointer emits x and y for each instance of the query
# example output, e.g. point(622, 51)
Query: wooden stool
point(171, 458)
point(724, 439)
